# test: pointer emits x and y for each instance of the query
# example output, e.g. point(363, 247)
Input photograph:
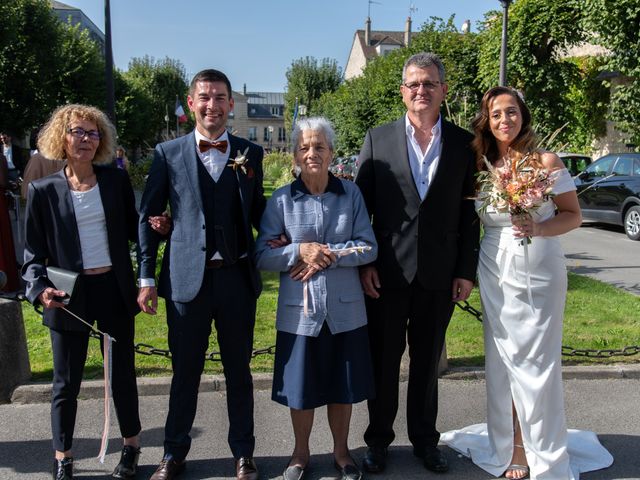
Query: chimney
point(367, 31)
point(244, 89)
point(407, 32)
point(466, 26)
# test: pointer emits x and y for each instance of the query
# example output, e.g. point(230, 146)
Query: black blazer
point(51, 237)
point(435, 239)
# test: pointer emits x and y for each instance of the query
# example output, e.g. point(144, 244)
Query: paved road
point(607, 406)
point(604, 253)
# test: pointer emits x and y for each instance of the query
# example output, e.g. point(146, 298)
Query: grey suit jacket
point(435, 239)
point(173, 179)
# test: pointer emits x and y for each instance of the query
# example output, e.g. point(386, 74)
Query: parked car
point(609, 191)
point(575, 162)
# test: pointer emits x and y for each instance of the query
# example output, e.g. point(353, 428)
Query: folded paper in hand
point(64, 280)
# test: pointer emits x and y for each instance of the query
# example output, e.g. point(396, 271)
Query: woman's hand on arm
point(316, 255)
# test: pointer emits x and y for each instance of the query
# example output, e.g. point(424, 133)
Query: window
point(266, 134)
point(252, 134)
point(281, 134)
point(275, 110)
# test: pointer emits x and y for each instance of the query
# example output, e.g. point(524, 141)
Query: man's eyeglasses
point(415, 86)
point(81, 132)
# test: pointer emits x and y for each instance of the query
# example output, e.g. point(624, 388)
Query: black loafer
point(63, 469)
point(126, 468)
point(433, 459)
point(348, 472)
point(375, 460)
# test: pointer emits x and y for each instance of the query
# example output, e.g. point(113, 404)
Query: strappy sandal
point(515, 467)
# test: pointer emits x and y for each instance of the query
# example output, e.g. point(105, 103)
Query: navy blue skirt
point(313, 371)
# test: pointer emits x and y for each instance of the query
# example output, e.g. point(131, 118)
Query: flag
point(295, 114)
point(182, 117)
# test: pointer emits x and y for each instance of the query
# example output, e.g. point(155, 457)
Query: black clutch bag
point(65, 280)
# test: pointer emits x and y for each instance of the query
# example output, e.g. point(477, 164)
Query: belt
point(219, 263)
point(214, 264)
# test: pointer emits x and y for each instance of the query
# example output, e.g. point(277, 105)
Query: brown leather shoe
point(168, 469)
point(246, 469)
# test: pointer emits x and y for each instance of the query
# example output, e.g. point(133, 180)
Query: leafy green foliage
point(44, 63)
point(539, 31)
point(277, 169)
point(614, 24)
point(307, 80)
point(147, 92)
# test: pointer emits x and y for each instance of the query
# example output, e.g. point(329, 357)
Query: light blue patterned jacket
point(338, 218)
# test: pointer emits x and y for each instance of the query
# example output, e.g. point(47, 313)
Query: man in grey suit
point(212, 182)
point(416, 175)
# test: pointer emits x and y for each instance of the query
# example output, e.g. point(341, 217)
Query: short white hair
point(320, 124)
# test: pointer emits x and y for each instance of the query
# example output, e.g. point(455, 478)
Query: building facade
point(259, 117)
point(74, 16)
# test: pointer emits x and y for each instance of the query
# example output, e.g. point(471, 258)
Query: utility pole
point(108, 63)
point(503, 49)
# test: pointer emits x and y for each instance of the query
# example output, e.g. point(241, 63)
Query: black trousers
point(420, 318)
point(103, 303)
point(227, 297)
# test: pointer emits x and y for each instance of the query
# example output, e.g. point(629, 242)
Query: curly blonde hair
point(52, 137)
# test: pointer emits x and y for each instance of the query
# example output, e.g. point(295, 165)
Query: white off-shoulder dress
point(523, 344)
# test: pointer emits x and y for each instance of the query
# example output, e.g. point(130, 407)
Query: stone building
point(259, 117)
point(369, 44)
point(74, 16)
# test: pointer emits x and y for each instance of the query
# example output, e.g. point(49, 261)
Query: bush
point(277, 168)
point(138, 172)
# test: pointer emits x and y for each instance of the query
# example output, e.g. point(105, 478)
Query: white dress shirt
point(424, 164)
point(8, 154)
point(214, 160)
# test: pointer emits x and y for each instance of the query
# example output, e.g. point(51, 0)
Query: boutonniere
point(240, 163)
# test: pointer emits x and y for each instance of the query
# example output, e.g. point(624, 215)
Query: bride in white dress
point(525, 433)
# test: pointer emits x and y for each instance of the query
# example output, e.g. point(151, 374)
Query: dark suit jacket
point(173, 178)
point(435, 239)
point(51, 237)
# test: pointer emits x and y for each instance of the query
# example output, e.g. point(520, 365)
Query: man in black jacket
point(416, 175)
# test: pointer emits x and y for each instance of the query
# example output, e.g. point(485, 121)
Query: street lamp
point(503, 49)
point(108, 63)
point(270, 130)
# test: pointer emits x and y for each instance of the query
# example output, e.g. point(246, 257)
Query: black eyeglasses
point(415, 86)
point(79, 132)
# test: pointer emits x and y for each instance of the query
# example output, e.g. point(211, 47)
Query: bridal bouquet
point(518, 188)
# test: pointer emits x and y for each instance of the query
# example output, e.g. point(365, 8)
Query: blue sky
point(255, 41)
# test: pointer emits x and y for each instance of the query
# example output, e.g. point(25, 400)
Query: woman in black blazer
point(82, 219)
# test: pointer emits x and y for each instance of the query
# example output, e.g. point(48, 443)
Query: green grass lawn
point(597, 316)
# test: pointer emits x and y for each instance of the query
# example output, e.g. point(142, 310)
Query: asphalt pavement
point(601, 399)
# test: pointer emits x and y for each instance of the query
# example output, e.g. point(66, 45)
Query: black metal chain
point(214, 356)
point(568, 351)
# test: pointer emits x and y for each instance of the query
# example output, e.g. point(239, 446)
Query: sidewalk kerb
point(40, 392)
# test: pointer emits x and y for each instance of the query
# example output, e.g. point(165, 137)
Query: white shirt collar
point(410, 129)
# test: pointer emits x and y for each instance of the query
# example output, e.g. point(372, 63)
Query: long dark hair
point(484, 143)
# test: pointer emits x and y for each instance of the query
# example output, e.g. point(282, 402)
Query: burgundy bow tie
point(205, 146)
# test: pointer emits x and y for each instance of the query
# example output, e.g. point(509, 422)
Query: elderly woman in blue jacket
point(322, 347)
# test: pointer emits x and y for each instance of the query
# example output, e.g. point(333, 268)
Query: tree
point(307, 80)
point(28, 69)
point(145, 93)
point(553, 85)
point(614, 25)
point(43, 64)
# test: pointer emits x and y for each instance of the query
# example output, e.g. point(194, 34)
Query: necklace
point(83, 185)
